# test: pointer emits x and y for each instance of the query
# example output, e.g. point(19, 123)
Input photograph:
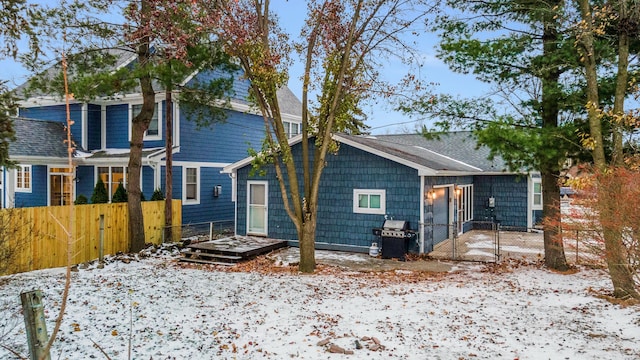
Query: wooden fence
point(38, 235)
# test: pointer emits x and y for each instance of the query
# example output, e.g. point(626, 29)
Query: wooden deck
point(229, 250)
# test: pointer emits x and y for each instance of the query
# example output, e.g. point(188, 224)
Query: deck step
point(202, 261)
point(211, 255)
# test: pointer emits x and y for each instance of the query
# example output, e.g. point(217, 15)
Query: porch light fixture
point(458, 191)
point(431, 195)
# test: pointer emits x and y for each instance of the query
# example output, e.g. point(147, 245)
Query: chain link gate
point(484, 241)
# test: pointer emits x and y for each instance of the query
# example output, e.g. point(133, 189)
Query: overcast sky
point(381, 118)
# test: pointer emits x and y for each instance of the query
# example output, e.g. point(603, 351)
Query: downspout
point(234, 197)
point(153, 164)
point(421, 223)
point(85, 124)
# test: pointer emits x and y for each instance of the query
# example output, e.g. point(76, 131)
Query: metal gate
point(483, 242)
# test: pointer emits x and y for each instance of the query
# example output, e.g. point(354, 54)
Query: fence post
point(577, 235)
point(496, 234)
point(35, 324)
point(101, 246)
point(211, 231)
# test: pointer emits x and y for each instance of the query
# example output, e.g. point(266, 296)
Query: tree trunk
point(307, 236)
point(136, 225)
point(549, 168)
point(615, 252)
point(622, 78)
point(617, 262)
point(554, 256)
point(168, 175)
point(591, 75)
point(140, 124)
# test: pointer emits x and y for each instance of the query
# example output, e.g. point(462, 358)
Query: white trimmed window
point(537, 194)
point(154, 132)
point(191, 185)
point(291, 128)
point(112, 176)
point(23, 178)
point(368, 201)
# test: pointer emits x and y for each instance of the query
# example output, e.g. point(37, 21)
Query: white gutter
point(421, 223)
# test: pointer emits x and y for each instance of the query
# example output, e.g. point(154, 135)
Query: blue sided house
point(101, 133)
point(439, 186)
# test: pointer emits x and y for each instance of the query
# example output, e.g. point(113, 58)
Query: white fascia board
point(448, 158)
point(201, 164)
point(161, 154)
point(126, 62)
point(44, 160)
point(44, 101)
point(231, 168)
point(111, 161)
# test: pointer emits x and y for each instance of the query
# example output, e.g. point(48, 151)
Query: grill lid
point(394, 224)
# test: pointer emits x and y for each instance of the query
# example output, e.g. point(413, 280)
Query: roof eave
point(422, 170)
point(232, 168)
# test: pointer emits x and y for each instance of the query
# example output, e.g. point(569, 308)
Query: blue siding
point(85, 181)
point(177, 183)
point(94, 127)
point(118, 126)
point(38, 194)
point(337, 223)
point(240, 83)
point(162, 122)
point(147, 182)
point(225, 142)
point(211, 208)
point(58, 113)
point(510, 193)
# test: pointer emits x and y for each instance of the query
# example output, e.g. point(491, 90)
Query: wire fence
point(198, 232)
point(492, 242)
point(583, 246)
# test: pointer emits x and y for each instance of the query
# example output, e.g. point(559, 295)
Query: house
point(101, 132)
point(442, 187)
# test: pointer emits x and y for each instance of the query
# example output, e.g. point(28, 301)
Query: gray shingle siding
point(510, 193)
point(337, 223)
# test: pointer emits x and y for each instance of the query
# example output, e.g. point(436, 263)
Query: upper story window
point(367, 201)
point(23, 178)
point(154, 132)
point(291, 128)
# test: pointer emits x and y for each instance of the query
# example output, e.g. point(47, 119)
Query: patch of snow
point(191, 312)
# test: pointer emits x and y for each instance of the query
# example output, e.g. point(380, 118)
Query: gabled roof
point(454, 151)
point(451, 154)
point(289, 103)
point(38, 139)
point(122, 57)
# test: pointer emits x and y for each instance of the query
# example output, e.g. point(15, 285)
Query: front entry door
point(257, 208)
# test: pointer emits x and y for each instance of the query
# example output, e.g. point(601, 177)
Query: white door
point(257, 207)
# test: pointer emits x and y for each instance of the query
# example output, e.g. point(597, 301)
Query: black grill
point(395, 236)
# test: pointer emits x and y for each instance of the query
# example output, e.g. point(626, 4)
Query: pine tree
point(81, 200)
point(120, 195)
point(157, 195)
point(99, 195)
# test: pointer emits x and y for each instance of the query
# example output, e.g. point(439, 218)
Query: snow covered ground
point(179, 312)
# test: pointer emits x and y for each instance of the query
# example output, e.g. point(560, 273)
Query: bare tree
point(344, 46)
